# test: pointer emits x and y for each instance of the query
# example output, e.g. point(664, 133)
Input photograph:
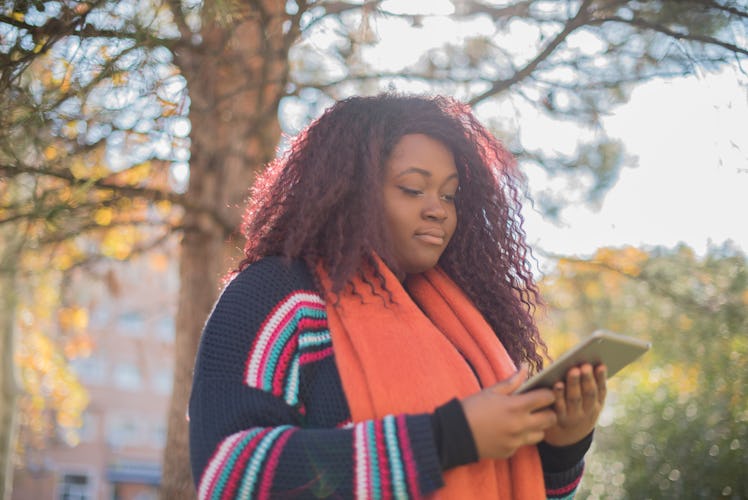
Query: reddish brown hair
point(322, 200)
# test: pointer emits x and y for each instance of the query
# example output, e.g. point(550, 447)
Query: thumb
point(511, 384)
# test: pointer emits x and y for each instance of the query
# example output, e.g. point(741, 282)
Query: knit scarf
point(414, 353)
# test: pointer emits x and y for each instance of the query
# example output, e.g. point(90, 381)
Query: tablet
point(612, 349)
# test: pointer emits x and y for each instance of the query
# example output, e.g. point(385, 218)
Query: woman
point(367, 346)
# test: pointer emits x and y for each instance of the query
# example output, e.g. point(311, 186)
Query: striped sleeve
point(242, 464)
point(268, 416)
point(563, 467)
point(563, 486)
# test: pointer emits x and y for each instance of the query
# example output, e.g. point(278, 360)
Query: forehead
point(420, 150)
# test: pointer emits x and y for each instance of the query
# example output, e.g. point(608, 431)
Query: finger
point(542, 420)
point(511, 384)
point(589, 388)
point(573, 391)
point(536, 399)
point(560, 404)
point(601, 374)
point(534, 437)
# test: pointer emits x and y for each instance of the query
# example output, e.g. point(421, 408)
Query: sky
point(689, 137)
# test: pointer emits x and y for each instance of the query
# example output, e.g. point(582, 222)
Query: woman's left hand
point(579, 402)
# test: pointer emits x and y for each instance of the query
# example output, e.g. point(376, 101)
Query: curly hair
point(322, 200)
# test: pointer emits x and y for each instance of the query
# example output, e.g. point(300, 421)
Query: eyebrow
point(423, 172)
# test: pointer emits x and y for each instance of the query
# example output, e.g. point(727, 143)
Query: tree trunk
point(8, 375)
point(235, 78)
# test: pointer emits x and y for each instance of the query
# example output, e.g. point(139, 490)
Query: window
point(127, 376)
point(165, 329)
point(131, 324)
point(89, 430)
point(158, 434)
point(75, 487)
point(122, 430)
point(162, 381)
point(91, 370)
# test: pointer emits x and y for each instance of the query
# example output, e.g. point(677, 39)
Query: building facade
point(128, 376)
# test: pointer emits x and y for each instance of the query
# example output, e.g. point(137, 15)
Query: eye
point(410, 192)
point(449, 198)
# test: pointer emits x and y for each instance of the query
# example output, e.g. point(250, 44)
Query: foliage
point(676, 423)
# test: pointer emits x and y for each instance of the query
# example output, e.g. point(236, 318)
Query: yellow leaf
point(119, 243)
point(73, 318)
point(18, 16)
point(103, 216)
point(163, 207)
point(50, 153)
point(119, 79)
point(63, 261)
point(79, 169)
point(137, 173)
point(159, 262)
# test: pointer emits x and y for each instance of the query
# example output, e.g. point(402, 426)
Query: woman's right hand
point(502, 422)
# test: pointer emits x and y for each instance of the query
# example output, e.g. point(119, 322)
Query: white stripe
point(313, 339)
point(359, 434)
point(266, 333)
point(226, 447)
point(258, 456)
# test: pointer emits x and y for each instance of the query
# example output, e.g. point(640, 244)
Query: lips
point(431, 236)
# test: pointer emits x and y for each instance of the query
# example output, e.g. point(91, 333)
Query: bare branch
point(726, 8)
point(641, 23)
point(131, 191)
point(580, 19)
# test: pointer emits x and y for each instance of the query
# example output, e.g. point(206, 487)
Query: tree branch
point(641, 23)
point(580, 19)
point(131, 191)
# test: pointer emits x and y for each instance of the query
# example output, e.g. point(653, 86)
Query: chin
point(421, 267)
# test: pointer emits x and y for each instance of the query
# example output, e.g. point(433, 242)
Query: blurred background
point(131, 132)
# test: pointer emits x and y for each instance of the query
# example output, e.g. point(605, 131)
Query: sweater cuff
point(454, 440)
point(562, 458)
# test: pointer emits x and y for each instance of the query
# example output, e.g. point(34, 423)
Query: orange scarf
point(409, 356)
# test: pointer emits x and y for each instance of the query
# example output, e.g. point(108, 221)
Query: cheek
point(452, 222)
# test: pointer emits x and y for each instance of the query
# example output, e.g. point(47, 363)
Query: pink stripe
point(232, 481)
point(344, 423)
point(407, 453)
point(385, 482)
point(281, 368)
point(272, 464)
point(276, 333)
point(566, 489)
point(311, 357)
point(306, 323)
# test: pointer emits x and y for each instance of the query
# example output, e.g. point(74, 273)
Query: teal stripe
point(376, 481)
point(254, 467)
point(393, 452)
point(275, 350)
point(291, 392)
point(228, 467)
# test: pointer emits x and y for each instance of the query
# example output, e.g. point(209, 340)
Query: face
point(419, 202)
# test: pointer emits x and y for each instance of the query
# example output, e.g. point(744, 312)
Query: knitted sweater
point(269, 418)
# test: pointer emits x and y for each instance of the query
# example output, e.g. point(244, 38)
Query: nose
point(433, 209)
